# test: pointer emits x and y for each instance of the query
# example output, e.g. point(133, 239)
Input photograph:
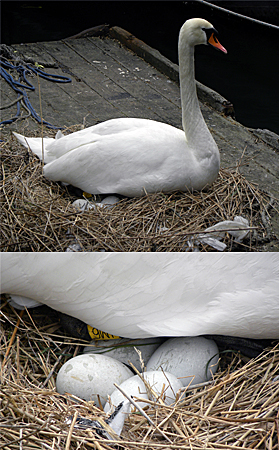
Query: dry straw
point(37, 214)
point(239, 409)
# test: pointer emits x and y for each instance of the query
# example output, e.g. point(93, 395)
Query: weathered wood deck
point(119, 76)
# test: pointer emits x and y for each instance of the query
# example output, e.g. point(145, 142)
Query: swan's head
point(200, 31)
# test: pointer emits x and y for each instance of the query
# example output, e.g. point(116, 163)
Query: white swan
point(129, 156)
point(140, 295)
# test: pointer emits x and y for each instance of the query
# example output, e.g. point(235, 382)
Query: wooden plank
point(91, 100)
point(110, 99)
point(67, 104)
point(143, 70)
point(8, 95)
point(148, 100)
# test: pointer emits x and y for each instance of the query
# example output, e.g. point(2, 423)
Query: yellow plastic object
point(100, 335)
point(86, 195)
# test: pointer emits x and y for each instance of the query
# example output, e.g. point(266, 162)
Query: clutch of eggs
point(175, 363)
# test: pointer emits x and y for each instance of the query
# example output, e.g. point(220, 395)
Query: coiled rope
point(23, 70)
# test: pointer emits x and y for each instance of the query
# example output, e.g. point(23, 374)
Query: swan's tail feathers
point(59, 134)
point(36, 145)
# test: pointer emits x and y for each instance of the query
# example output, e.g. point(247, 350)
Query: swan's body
point(139, 295)
point(131, 156)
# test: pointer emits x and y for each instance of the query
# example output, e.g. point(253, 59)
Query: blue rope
point(19, 88)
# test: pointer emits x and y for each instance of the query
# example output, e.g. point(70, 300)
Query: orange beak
point(214, 41)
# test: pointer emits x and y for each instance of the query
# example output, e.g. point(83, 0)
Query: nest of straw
point(37, 215)
point(238, 409)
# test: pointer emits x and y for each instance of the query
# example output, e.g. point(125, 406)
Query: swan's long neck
point(195, 128)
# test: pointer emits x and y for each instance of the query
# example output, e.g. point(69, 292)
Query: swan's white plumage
point(132, 156)
point(140, 295)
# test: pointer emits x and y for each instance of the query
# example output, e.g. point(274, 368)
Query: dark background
point(247, 76)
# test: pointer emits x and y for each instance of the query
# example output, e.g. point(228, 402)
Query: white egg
point(133, 386)
point(191, 359)
point(109, 201)
point(124, 349)
point(20, 302)
point(164, 384)
point(87, 376)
